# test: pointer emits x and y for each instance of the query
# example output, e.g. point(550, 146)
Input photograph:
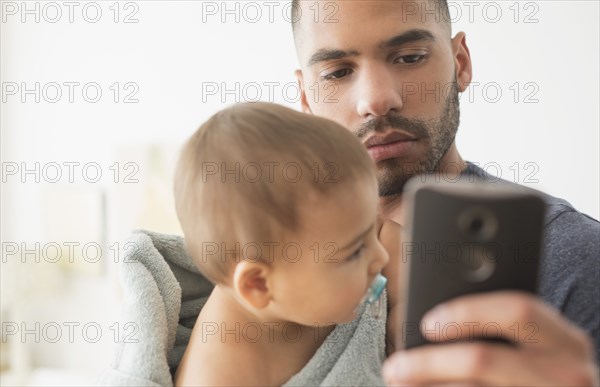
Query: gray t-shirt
point(570, 262)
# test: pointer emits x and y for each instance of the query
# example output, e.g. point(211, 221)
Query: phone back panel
point(468, 238)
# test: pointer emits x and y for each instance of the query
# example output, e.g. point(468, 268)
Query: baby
point(279, 210)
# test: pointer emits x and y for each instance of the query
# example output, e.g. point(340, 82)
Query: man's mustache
point(417, 128)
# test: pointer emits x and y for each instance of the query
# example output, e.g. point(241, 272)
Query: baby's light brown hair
point(243, 176)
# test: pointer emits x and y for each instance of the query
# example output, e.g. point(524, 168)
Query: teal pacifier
point(373, 296)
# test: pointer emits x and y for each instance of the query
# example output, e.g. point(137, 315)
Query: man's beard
point(438, 135)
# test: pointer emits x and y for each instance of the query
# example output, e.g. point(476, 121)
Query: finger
point(463, 363)
point(514, 316)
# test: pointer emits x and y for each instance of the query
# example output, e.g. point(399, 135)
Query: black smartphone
point(461, 237)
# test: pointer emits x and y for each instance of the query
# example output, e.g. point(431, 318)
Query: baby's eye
point(357, 253)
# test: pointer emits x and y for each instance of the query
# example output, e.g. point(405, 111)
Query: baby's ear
point(250, 282)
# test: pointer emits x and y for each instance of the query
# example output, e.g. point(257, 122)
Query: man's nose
point(376, 92)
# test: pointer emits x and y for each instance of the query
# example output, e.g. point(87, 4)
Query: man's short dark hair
point(442, 4)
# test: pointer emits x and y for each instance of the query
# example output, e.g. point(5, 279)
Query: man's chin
point(392, 186)
point(392, 175)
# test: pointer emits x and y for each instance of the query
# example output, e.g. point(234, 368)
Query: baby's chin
point(331, 321)
point(352, 315)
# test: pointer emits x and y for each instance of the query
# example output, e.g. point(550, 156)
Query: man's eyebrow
point(324, 55)
point(358, 237)
point(407, 37)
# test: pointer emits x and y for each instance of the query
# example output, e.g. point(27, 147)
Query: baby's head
point(281, 207)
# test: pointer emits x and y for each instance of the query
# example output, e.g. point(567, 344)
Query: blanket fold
point(163, 295)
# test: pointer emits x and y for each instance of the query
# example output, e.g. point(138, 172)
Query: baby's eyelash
point(357, 253)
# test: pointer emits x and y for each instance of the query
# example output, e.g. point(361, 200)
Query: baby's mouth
point(373, 296)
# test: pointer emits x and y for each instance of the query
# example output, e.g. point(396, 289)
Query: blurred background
point(97, 98)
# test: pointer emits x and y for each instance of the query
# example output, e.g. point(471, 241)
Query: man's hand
point(548, 350)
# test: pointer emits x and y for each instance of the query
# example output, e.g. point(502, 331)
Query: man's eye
point(357, 253)
point(336, 74)
point(410, 59)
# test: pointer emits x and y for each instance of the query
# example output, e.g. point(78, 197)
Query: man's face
point(387, 70)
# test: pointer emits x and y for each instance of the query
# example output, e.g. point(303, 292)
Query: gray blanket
point(163, 294)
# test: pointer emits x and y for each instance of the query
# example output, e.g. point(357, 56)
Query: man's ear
point(303, 98)
point(462, 61)
point(250, 283)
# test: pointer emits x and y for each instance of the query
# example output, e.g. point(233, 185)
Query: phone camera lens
point(479, 264)
point(478, 223)
point(475, 226)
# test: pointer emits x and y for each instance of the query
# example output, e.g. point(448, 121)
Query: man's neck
point(390, 208)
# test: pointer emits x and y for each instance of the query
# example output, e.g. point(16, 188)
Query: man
point(364, 62)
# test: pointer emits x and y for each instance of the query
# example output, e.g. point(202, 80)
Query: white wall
point(176, 50)
point(558, 55)
point(171, 54)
